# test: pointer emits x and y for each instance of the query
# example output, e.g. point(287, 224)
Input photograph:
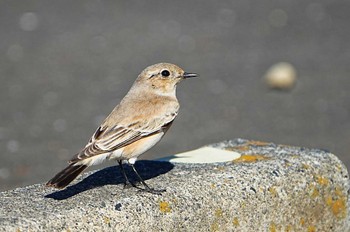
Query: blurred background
point(64, 65)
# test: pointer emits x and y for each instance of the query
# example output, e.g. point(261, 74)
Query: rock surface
point(268, 188)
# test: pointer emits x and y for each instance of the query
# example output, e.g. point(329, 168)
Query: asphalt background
point(64, 65)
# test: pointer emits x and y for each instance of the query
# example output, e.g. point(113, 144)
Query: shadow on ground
point(112, 176)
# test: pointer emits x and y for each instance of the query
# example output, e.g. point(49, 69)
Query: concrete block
point(265, 187)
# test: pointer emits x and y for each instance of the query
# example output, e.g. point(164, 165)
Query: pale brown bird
point(134, 126)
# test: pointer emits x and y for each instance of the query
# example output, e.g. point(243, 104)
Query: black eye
point(165, 73)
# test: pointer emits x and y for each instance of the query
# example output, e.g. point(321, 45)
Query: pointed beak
point(189, 75)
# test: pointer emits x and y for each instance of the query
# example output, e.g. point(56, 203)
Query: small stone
point(118, 207)
point(281, 76)
point(29, 21)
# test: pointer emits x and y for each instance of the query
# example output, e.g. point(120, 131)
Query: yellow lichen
point(315, 193)
point(257, 143)
point(337, 203)
point(339, 192)
point(245, 147)
point(250, 158)
point(106, 220)
point(272, 227)
point(218, 212)
point(311, 228)
point(164, 207)
point(238, 148)
point(322, 180)
point(329, 200)
point(214, 226)
point(273, 191)
point(302, 221)
point(339, 208)
point(305, 166)
point(217, 217)
point(235, 221)
point(289, 228)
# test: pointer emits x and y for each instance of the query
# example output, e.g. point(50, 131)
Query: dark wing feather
point(107, 140)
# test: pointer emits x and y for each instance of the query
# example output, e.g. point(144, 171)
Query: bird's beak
point(189, 75)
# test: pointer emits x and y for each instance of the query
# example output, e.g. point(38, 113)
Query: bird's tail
point(67, 175)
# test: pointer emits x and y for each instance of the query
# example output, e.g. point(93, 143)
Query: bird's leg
point(127, 182)
point(147, 188)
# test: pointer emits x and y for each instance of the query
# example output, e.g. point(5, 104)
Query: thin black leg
point(147, 188)
point(127, 181)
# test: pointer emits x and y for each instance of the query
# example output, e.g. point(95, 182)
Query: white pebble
point(281, 76)
point(28, 21)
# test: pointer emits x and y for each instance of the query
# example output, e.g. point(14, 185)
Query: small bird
point(134, 126)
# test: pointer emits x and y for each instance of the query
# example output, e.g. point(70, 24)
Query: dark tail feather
point(67, 175)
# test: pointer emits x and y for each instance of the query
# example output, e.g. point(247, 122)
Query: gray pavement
point(65, 64)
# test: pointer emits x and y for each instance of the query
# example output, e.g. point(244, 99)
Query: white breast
point(134, 150)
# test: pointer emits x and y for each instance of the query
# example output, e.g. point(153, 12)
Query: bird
point(134, 126)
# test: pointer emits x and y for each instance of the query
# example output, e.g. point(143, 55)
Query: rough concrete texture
point(269, 188)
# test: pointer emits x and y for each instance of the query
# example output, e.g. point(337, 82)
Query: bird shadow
point(112, 176)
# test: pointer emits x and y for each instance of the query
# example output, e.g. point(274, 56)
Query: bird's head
point(163, 77)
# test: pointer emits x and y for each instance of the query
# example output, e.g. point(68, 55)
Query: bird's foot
point(128, 185)
point(152, 190)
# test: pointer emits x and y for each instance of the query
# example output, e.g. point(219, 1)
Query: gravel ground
point(64, 65)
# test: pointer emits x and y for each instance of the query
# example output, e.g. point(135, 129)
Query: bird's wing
point(107, 139)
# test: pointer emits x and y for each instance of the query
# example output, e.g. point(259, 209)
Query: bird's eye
point(165, 73)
